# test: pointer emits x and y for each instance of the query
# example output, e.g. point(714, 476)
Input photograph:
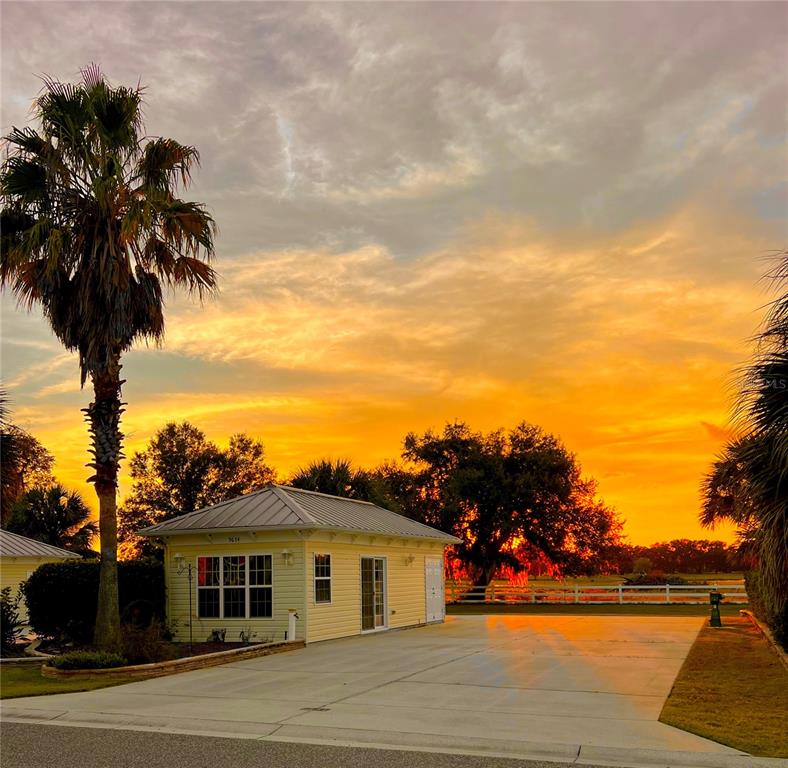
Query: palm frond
point(91, 224)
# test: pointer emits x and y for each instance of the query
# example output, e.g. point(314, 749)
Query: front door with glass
point(373, 593)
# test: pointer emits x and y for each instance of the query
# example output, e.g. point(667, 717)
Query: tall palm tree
point(92, 232)
point(55, 516)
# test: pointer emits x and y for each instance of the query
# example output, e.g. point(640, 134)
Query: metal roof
point(14, 545)
point(279, 507)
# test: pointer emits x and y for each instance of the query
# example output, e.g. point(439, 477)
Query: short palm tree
point(337, 478)
point(55, 516)
point(92, 232)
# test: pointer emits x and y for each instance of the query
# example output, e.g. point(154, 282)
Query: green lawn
point(592, 610)
point(733, 689)
point(27, 681)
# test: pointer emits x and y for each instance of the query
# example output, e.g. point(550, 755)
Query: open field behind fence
point(598, 594)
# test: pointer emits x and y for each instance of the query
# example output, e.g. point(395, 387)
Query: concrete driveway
point(560, 687)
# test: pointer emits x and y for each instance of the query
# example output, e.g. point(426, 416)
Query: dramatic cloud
point(555, 212)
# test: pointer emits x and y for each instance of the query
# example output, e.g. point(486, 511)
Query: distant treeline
point(679, 556)
point(517, 499)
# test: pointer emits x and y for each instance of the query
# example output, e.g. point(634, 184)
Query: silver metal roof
point(279, 507)
point(14, 545)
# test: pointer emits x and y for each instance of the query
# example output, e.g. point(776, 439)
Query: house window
point(208, 587)
point(235, 587)
point(322, 578)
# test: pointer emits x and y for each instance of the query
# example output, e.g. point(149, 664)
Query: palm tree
point(338, 478)
point(749, 484)
point(55, 516)
point(92, 232)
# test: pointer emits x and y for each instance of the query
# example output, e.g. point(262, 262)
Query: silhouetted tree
point(56, 516)
point(749, 483)
point(92, 231)
point(510, 496)
point(181, 471)
point(336, 477)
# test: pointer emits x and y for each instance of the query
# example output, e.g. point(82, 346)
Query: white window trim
point(247, 587)
point(316, 578)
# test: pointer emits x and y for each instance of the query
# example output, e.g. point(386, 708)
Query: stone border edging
point(767, 633)
point(161, 668)
point(19, 661)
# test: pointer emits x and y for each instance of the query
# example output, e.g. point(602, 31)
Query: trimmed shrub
point(10, 623)
point(146, 644)
point(61, 597)
point(774, 616)
point(87, 660)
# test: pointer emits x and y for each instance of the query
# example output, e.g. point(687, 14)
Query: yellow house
point(284, 562)
point(20, 556)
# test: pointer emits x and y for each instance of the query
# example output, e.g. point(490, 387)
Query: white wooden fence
point(671, 594)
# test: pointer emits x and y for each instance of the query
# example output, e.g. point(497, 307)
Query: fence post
point(620, 594)
point(577, 593)
point(667, 593)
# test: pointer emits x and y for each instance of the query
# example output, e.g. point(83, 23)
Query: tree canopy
point(336, 477)
point(56, 516)
point(513, 497)
point(25, 463)
point(181, 471)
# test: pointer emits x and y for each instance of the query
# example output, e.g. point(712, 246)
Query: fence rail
point(667, 594)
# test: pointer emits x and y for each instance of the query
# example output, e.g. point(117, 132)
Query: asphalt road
point(52, 746)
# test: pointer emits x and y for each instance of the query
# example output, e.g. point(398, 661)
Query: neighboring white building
point(343, 566)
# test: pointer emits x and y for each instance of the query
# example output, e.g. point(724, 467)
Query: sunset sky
point(429, 212)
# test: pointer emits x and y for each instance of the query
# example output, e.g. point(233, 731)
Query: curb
point(767, 633)
point(161, 668)
point(576, 754)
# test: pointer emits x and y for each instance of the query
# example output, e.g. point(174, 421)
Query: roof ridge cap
point(329, 495)
point(209, 507)
point(281, 492)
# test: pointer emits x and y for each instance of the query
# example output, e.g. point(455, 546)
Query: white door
point(433, 578)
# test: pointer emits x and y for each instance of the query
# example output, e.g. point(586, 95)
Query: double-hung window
point(322, 578)
point(235, 587)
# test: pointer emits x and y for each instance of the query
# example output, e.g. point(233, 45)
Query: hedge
point(61, 597)
point(775, 616)
point(88, 660)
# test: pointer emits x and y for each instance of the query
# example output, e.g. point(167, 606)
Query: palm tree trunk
point(103, 415)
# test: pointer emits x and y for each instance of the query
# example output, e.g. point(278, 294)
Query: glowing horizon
point(501, 215)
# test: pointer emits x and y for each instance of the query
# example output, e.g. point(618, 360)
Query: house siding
point(405, 582)
point(287, 580)
point(15, 570)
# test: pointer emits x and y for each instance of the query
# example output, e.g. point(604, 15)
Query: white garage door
point(434, 580)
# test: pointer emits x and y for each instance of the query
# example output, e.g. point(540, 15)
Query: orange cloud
point(613, 344)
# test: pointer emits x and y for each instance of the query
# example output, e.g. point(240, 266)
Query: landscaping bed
point(733, 689)
point(173, 666)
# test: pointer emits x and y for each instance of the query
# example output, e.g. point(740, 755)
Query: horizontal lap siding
point(15, 570)
point(406, 601)
point(288, 587)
